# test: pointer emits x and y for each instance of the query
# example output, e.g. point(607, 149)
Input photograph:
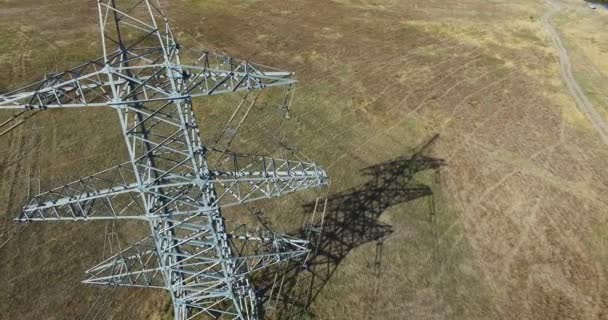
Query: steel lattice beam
point(167, 181)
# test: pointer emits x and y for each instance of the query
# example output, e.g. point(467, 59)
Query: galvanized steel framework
point(168, 181)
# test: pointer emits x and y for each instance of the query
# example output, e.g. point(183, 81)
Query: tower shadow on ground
point(351, 220)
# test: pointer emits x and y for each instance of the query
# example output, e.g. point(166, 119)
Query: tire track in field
point(391, 89)
point(410, 113)
point(473, 56)
point(579, 95)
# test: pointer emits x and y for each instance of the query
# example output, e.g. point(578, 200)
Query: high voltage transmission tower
point(168, 181)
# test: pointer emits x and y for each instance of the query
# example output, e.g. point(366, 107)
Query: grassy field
point(514, 222)
point(588, 48)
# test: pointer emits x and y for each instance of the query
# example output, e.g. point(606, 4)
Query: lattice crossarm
point(87, 85)
point(257, 252)
point(109, 194)
point(242, 179)
point(135, 266)
point(147, 278)
point(206, 81)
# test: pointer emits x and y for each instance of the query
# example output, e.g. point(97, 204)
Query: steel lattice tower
point(168, 182)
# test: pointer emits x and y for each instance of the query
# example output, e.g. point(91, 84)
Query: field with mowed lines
point(466, 182)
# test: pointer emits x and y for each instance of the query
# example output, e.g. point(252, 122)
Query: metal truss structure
point(168, 181)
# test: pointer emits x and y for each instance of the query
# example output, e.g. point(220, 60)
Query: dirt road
point(566, 69)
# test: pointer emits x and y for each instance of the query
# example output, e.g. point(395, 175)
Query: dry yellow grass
point(520, 217)
point(588, 47)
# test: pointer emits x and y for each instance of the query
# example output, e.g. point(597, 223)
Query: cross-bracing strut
point(167, 181)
